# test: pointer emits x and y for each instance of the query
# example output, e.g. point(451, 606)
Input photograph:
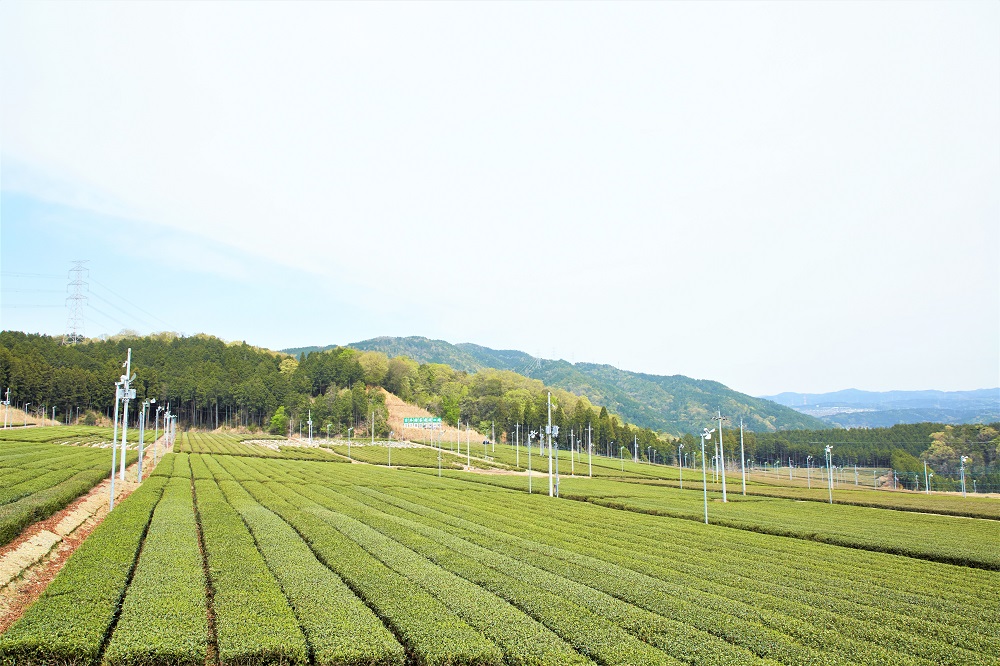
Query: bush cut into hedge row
point(432, 634)
point(68, 623)
point(164, 618)
point(253, 621)
point(339, 627)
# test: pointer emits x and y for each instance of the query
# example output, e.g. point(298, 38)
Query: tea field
point(44, 469)
point(224, 557)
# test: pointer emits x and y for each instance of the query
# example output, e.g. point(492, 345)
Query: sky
point(778, 196)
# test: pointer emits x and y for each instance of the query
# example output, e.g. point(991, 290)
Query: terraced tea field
point(226, 559)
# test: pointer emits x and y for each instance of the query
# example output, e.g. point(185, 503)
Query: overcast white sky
point(789, 196)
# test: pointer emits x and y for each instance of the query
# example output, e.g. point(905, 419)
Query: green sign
point(425, 422)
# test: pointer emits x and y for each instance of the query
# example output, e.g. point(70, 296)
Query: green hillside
point(674, 404)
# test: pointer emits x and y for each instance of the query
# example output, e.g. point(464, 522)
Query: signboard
point(423, 422)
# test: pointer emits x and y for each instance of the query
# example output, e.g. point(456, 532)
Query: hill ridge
point(675, 404)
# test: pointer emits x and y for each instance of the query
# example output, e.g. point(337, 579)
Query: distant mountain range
point(852, 408)
point(674, 404)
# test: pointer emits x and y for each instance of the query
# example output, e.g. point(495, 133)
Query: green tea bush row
point(15, 516)
point(554, 622)
point(164, 616)
point(519, 577)
point(866, 624)
point(68, 624)
point(53, 433)
point(253, 622)
point(338, 626)
point(431, 633)
point(523, 639)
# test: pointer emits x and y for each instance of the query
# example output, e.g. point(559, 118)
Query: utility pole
point(704, 473)
point(680, 469)
point(743, 459)
point(114, 443)
point(156, 432)
point(531, 435)
point(548, 432)
point(128, 393)
point(590, 451)
point(517, 445)
point(310, 427)
point(722, 460)
point(829, 469)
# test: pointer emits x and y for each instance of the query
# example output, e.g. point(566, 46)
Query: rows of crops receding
point(250, 560)
point(258, 446)
point(38, 477)
point(579, 464)
point(942, 538)
point(381, 453)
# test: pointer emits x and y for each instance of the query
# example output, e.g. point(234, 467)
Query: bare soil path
point(30, 562)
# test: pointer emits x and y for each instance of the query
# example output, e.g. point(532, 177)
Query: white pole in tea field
point(557, 466)
point(468, 446)
point(930, 478)
point(621, 457)
point(493, 437)
point(114, 445)
point(743, 458)
point(963, 459)
point(927, 485)
point(372, 428)
point(531, 436)
point(855, 474)
point(6, 408)
point(680, 468)
point(704, 471)
point(829, 468)
point(128, 393)
point(517, 445)
point(590, 451)
point(808, 471)
point(572, 464)
point(156, 433)
point(26, 414)
point(349, 430)
point(310, 427)
point(389, 447)
point(722, 459)
point(548, 433)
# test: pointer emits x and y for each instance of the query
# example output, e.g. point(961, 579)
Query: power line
point(107, 316)
point(120, 309)
point(138, 307)
point(34, 275)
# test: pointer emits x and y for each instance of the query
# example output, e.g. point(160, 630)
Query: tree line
point(210, 383)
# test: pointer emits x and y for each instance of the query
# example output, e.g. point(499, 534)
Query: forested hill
point(675, 404)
